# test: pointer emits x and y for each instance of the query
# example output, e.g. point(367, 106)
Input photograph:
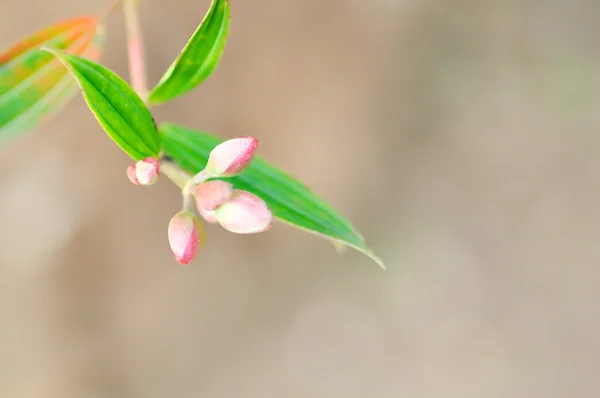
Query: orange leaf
point(34, 85)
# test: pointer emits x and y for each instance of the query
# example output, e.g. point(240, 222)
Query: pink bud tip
point(131, 175)
point(212, 194)
point(231, 157)
point(186, 236)
point(245, 213)
point(147, 171)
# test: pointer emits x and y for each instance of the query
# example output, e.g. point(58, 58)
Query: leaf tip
point(61, 56)
point(378, 261)
point(341, 246)
point(52, 51)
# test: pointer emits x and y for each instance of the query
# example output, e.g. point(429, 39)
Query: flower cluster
point(216, 201)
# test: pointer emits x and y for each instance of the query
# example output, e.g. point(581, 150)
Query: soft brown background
point(461, 137)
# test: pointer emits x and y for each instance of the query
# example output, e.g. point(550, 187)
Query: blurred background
point(460, 137)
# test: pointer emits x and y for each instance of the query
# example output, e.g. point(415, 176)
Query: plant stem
point(200, 177)
point(135, 49)
point(189, 202)
point(137, 76)
point(174, 172)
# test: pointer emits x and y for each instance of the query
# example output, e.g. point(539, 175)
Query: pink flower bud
point(231, 157)
point(131, 175)
point(207, 215)
point(186, 236)
point(245, 213)
point(147, 171)
point(212, 194)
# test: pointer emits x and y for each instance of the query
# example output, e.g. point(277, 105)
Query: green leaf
point(118, 109)
point(290, 201)
point(34, 86)
point(199, 57)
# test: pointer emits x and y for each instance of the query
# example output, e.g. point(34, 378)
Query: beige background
point(461, 137)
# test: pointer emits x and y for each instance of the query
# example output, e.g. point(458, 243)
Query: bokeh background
point(461, 137)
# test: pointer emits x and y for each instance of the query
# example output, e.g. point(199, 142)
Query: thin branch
point(137, 76)
point(135, 49)
point(174, 173)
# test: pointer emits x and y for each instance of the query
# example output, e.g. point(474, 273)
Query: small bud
point(212, 194)
point(186, 236)
point(147, 171)
point(207, 215)
point(245, 213)
point(231, 157)
point(131, 175)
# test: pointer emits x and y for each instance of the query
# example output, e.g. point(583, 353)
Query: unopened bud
point(231, 157)
point(147, 171)
point(212, 194)
point(244, 213)
point(131, 175)
point(207, 215)
point(186, 236)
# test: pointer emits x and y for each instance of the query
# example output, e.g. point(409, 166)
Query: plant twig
point(135, 49)
point(174, 173)
point(137, 76)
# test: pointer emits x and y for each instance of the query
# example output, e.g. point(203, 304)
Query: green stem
point(200, 177)
point(174, 173)
point(192, 183)
point(137, 76)
point(189, 202)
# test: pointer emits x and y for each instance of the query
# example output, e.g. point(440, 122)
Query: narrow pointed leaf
point(34, 86)
point(118, 109)
point(199, 57)
point(290, 200)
